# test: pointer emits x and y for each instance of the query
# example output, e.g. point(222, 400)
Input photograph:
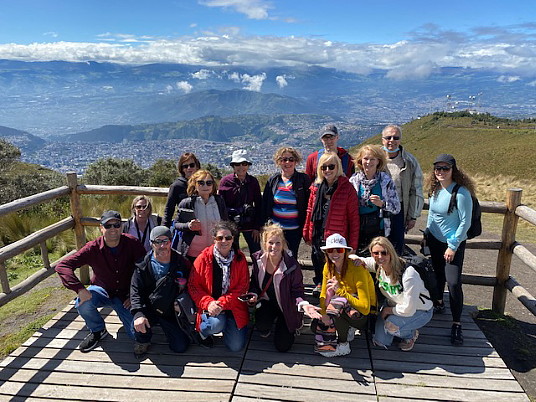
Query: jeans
point(99, 298)
point(293, 238)
point(398, 229)
point(177, 339)
point(402, 327)
point(234, 338)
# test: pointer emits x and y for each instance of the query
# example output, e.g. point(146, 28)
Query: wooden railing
point(502, 281)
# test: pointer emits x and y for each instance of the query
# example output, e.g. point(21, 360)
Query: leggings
point(451, 273)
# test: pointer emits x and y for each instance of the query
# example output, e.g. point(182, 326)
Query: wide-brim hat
point(239, 156)
point(335, 241)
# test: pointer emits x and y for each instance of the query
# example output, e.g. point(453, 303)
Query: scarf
point(323, 191)
point(225, 265)
point(367, 185)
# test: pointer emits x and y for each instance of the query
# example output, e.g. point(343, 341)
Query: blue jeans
point(99, 298)
point(398, 230)
point(177, 339)
point(402, 327)
point(234, 338)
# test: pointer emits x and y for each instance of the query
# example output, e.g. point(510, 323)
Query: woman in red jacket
point(332, 208)
point(219, 276)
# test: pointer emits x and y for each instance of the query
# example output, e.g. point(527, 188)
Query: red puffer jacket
point(343, 214)
point(200, 286)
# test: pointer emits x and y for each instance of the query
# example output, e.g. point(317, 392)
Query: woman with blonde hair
point(331, 209)
point(142, 220)
point(376, 194)
point(285, 197)
point(198, 213)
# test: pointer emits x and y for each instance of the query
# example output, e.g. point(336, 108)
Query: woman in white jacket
point(407, 306)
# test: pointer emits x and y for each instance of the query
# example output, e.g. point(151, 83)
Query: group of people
point(353, 210)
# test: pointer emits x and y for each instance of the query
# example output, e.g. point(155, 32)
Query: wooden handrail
point(526, 213)
point(32, 200)
point(121, 190)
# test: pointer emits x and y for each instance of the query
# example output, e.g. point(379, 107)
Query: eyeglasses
point(220, 237)
point(328, 167)
point(141, 207)
point(188, 165)
point(391, 137)
point(339, 250)
point(160, 241)
point(328, 137)
point(377, 253)
point(205, 183)
point(112, 225)
point(442, 168)
point(240, 164)
point(291, 159)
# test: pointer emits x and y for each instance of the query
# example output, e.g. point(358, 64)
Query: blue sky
point(406, 38)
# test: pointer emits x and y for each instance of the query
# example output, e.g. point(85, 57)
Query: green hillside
point(482, 144)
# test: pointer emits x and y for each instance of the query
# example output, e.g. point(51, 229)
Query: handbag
point(161, 298)
point(187, 307)
point(369, 224)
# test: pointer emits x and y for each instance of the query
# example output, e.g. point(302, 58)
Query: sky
point(408, 39)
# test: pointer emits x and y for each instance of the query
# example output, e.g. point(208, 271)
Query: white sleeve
point(411, 293)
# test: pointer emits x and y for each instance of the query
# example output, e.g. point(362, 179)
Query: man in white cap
point(242, 195)
point(329, 136)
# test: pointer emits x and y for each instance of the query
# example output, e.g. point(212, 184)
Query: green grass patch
point(10, 342)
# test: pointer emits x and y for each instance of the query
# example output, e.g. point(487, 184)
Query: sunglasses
point(240, 164)
point(205, 183)
point(112, 225)
point(442, 168)
point(220, 238)
point(291, 159)
point(391, 137)
point(339, 250)
point(160, 241)
point(141, 207)
point(328, 167)
point(188, 165)
point(377, 253)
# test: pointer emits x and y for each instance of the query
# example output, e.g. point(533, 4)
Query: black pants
point(318, 258)
point(264, 319)
point(450, 273)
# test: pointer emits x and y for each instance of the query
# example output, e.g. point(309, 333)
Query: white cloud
point(253, 9)
point(203, 74)
point(234, 77)
point(51, 34)
point(184, 86)
point(282, 80)
point(253, 82)
point(532, 84)
point(506, 79)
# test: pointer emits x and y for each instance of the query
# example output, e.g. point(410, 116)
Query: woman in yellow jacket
point(346, 299)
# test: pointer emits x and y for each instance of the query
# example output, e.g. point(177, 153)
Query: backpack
point(426, 271)
point(476, 217)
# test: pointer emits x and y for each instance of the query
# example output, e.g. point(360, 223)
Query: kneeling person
point(156, 282)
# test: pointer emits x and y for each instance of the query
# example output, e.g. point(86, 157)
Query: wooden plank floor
point(49, 367)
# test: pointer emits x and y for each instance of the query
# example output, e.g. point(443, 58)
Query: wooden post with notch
point(504, 259)
point(76, 212)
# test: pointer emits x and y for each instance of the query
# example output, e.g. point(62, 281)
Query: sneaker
point(207, 342)
point(341, 350)
point(141, 348)
point(351, 334)
point(91, 341)
point(317, 290)
point(379, 345)
point(407, 344)
point(456, 336)
point(439, 308)
point(265, 334)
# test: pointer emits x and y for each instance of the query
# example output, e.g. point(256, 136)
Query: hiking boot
point(439, 308)
point(317, 290)
point(141, 348)
point(456, 336)
point(407, 344)
point(91, 341)
point(341, 350)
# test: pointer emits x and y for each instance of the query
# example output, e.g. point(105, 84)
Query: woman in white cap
point(346, 299)
point(446, 232)
point(242, 195)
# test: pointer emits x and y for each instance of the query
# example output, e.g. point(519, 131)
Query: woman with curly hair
point(446, 233)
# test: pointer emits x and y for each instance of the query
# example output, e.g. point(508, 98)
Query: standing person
point(329, 136)
point(346, 299)
point(187, 165)
point(285, 197)
point(447, 233)
point(242, 195)
point(142, 220)
point(407, 175)
point(198, 214)
point(277, 282)
point(112, 258)
point(407, 306)
point(331, 209)
point(219, 277)
point(376, 193)
point(168, 271)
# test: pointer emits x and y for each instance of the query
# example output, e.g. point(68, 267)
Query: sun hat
point(239, 156)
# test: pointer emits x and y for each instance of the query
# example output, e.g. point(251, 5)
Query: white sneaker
point(342, 350)
point(351, 334)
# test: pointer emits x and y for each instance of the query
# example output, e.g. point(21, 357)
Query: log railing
point(502, 281)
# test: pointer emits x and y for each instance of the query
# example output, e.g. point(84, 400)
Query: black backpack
point(426, 271)
point(476, 217)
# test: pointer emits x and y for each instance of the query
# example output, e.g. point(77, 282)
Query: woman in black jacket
point(285, 197)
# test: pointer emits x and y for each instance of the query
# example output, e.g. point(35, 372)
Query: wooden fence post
point(504, 259)
point(76, 212)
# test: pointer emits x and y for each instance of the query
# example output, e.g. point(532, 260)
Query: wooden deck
point(49, 367)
